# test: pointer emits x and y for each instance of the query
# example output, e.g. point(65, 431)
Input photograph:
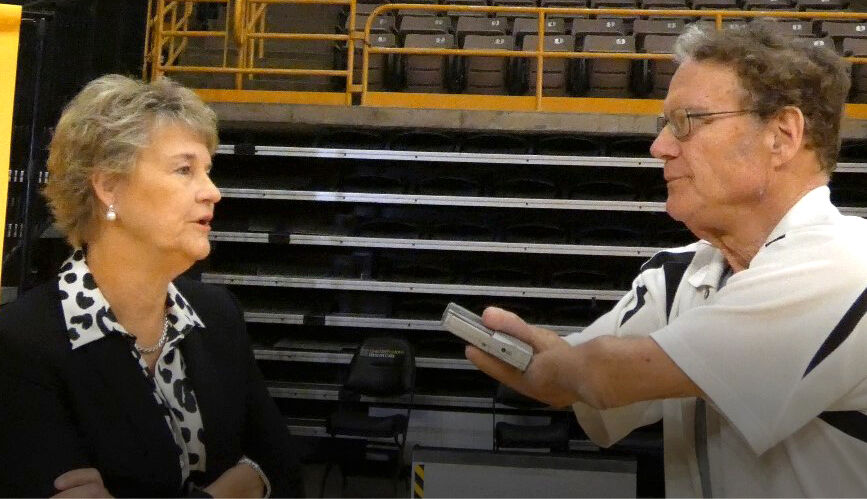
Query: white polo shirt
point(780, 350)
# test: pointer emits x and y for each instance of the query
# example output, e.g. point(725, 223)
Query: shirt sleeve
point(783, 341)
point(639, 313)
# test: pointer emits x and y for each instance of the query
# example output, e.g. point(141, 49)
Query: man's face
point(721, 168)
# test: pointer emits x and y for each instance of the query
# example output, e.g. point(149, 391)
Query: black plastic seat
point(553, 436)
point(382, 367)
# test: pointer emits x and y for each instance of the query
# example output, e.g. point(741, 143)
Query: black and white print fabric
point(89, 318)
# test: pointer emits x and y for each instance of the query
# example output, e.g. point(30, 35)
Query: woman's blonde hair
point(103, 129)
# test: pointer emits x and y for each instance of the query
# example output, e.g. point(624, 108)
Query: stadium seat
point(857, 47)
point(582, 27)
point(608, 77)
point(382, 24)
point(480, 26)
point(842, 29)
point(768, 5)
point(651, 78)
point(579, 4)
point(799, 28)
point(822, 4)
point(727, 24)
point(556, 26)
point(515, 3)
point(613, 4)
point(555, 76)
point(456, 13)
point(419, 12)
point(378, 67)
point(839, 30)
point(643, 27)
point(664, 4)
point(715, 4)
point(424, 25)
point(425, 73)
point(488, 75)
point(382, 367)
point(553, 436)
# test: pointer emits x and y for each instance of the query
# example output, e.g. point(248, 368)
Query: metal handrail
point(247, 19)
point(167, 31)
point(540, 53)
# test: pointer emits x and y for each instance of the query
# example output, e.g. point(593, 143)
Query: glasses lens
point(679, 121)
point(661, 121)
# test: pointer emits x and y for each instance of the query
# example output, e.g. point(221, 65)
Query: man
point(751, 343)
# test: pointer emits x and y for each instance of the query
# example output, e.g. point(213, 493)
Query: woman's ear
point(105, 186)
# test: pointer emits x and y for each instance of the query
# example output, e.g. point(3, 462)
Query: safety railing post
point(350, 55)
point(540, 59)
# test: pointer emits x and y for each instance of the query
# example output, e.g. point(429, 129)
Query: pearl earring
point(111, 215)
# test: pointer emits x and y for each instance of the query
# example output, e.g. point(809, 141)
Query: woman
point(120, 377)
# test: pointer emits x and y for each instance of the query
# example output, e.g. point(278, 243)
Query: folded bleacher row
point(564, 33)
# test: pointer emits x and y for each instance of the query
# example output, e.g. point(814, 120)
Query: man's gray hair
point(777, 71)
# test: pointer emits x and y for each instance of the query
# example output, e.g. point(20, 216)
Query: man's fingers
point(492, 366)
point(76, 477)
point(508, 322)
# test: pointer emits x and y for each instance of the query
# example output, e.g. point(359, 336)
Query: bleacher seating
point(608, 77)
point(425, 73)
point(488, 75)
point(557, 73)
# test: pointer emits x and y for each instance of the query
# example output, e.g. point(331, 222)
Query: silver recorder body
point(468, 326)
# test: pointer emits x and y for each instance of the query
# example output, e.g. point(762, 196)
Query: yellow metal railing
point(540, 53)
point(168, 34)
point(168, 21)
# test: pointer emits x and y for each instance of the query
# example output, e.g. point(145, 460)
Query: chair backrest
point(382, 367)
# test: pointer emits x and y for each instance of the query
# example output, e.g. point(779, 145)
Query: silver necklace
point(159, 344)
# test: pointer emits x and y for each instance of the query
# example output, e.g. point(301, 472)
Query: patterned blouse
point(89, 318)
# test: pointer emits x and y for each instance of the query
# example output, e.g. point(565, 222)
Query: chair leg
point(325, 479)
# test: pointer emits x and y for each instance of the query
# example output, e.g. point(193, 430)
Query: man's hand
point(604, 372)
point(81, 482)
point(543, 380)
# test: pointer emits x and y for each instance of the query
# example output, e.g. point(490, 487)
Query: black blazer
point(62, 409)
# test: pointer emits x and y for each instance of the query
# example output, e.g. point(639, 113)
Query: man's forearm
point(613, 371)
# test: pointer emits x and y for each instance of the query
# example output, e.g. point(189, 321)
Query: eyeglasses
point(679, 121)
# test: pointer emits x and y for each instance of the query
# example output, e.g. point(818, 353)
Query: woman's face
point(166, 204)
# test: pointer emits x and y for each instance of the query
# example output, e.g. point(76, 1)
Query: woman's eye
point(184, 170)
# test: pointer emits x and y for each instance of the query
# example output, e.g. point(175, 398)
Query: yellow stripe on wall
point(10, 24)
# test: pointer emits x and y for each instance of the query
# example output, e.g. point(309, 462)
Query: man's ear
point(105, 186)
point(787, 134)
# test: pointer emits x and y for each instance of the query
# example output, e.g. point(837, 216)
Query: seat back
point(554, 435)
point(377, 66)
point(857, 47)
point(609, 77)
point(425, 25)
point(382, 367)
point(555, 74)
point(487, 75)
point(660, 72)
point(426, 73)
point(526, 26)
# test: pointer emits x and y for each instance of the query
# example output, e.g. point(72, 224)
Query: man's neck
point(748, 229)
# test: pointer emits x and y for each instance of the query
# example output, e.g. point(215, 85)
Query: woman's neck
point(133, 283)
